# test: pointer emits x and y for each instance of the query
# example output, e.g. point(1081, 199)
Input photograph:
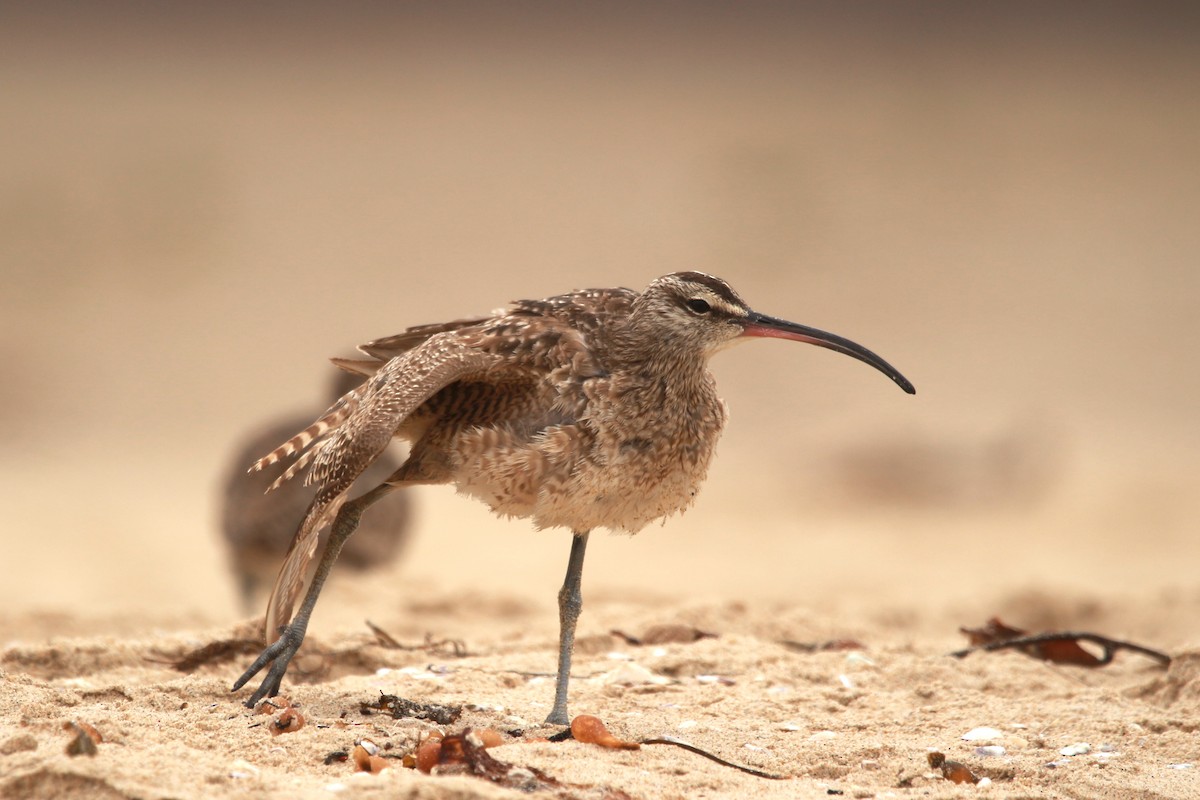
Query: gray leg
point(570, 602)
point(280, 653)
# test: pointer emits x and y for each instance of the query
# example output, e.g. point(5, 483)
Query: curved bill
point(761, 325)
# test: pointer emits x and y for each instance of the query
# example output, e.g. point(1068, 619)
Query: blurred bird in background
point(258, 526)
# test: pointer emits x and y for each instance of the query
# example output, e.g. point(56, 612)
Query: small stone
point(631, 673)
point(242, 770)
point(856, 657)
point(990, 751)
point(715, 679)
point(982, 735)
point(1077, 749)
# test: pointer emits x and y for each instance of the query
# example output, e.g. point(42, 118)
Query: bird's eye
point(698, 305)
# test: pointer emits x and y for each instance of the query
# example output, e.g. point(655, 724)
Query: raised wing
point(352, 434)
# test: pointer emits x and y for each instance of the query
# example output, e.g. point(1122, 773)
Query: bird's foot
point(279, 654)
point(558, 717)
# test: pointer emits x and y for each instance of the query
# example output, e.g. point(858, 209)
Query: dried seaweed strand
point(711, 757)
point(1110, 646)
point(211, 653)
point(457, 647)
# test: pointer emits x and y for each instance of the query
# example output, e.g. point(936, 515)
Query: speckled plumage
point(528, 410)
point(593, 409)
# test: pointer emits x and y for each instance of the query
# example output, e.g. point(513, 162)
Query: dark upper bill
point(762, 325)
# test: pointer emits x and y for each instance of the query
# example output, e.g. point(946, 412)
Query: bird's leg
point(280, 653)
point(570, 602)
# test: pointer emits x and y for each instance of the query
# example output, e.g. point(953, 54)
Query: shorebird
point(593, 409)
point(258, 526)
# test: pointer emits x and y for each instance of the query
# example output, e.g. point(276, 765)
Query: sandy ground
point(197, 209)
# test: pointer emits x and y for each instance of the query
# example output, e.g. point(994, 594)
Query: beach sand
point(197, 209)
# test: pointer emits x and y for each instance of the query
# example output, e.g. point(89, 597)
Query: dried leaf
point(366, 757)
point(289, 720)
point(466, 753)
point(1056, 647)
point(84, 742)
point(953, 771)
point(992, 631)
point(671, 633)
point(429, 752)
point(590, 730)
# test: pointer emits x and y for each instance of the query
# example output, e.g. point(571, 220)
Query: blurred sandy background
point(198, 207)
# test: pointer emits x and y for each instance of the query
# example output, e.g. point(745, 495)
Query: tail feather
point(331, 419)
point(293, 470)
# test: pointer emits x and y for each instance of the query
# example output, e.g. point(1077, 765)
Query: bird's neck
point(652, 352)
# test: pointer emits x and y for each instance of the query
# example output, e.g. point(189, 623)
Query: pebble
point(422, 673)
point(630, 672)
point(1077, 749)
point(990, 751)
point(242, 769)
point(715, 679)
point(982, 735)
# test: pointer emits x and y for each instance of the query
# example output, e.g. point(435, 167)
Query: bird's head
point(697, 311)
